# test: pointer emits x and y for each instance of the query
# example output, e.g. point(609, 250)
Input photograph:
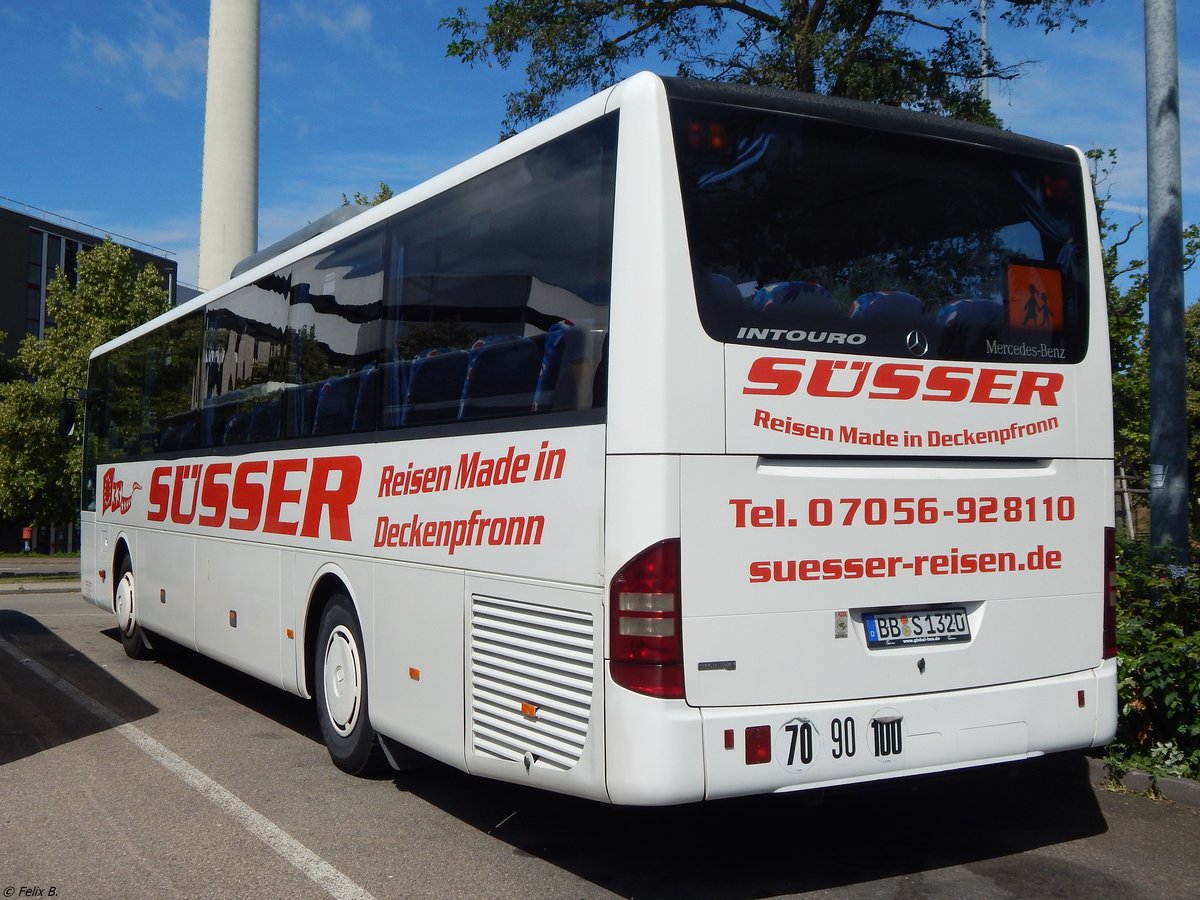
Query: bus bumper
point(771, 749)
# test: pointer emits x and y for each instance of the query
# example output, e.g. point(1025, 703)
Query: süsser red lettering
point(283, 496)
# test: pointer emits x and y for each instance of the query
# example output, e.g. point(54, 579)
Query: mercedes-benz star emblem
point(918, 344)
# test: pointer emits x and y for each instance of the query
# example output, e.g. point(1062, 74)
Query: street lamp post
point(1168, 411)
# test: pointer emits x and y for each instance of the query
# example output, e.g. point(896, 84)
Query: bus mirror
point(66, 418)
point(67, 409)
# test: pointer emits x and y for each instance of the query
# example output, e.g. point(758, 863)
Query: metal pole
point(1168, 417)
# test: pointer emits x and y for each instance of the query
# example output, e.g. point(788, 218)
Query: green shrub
point(1158, 641)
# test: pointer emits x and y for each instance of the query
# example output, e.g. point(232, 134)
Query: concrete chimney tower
point(229, 180)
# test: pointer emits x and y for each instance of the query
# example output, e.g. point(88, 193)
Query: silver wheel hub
point(343, 680)
point(123, 605)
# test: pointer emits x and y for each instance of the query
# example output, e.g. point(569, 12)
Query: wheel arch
point(328, 582)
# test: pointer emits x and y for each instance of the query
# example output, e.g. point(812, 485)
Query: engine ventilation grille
point(531, 681)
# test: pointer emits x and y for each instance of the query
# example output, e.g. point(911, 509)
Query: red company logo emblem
point(115, 499)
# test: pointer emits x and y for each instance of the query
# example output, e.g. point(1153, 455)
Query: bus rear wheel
point(133, 638)
point(341, 691)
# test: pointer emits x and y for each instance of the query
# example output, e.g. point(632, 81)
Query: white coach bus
point(700, 441)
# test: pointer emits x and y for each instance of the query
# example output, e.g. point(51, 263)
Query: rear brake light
point(710, 136)
point(1110, 593)
point(645, 638)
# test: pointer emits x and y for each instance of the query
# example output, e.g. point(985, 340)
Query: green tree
point(360, 199)
point(922, 54)
point(39, 472)
point(1191, 324)
point(1127, 288)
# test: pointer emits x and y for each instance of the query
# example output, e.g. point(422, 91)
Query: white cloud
point(1118, 206)
point(106, 52)
point(156, 51)
point(340, 21)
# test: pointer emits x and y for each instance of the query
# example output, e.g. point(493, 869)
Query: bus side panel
point(415, 658)
point(525, 504)
point(165, 576)
point(238, 606)
point(658, 348)
point(94, 590)
point(534, 678)
point(291, 648)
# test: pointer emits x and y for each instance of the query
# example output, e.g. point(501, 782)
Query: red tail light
point(1110, 593)
point(645, 635)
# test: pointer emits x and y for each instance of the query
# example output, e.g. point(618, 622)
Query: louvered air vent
point(531, 681)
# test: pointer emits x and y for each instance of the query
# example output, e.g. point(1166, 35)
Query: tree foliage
point(1128, 292)
point(1158, 634)
point(922, 54)
point(39, 471)
point(1126, 289)
point(360, 199)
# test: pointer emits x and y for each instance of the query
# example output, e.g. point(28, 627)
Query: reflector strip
point(758, 745)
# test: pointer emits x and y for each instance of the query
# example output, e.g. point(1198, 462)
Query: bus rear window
point(814, 234)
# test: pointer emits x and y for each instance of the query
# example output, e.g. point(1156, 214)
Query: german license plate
point(902, 627)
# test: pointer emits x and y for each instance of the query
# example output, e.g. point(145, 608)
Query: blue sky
point(104, 104)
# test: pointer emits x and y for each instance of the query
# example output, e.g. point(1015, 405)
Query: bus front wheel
point(341, 691)
point(133, 638)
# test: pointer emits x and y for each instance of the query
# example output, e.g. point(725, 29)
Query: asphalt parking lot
point(180, 777)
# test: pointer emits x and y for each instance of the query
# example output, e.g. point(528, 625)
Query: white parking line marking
point(310, 864)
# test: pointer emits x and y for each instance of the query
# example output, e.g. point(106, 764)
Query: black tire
point(133, 638)
point(340, 673)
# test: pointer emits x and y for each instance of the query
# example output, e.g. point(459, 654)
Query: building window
point(47, 254)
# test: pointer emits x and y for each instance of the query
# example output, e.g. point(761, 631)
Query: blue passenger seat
point(975, 314)
point(968, 324)
point(800, 296)
point(264, 420)
point(300, 401)
point(334, 413)
point(237, 429)
point(502, 373)
point(169, 439)
point(366, 405)
point(189, 435)
point(563, 341)
point(435, 386)
point(717, 295)
point(394, 376)
point(890, 307)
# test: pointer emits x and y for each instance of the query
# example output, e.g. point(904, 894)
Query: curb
point(39, 587)
point(1183, 791)
point(65, 574)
